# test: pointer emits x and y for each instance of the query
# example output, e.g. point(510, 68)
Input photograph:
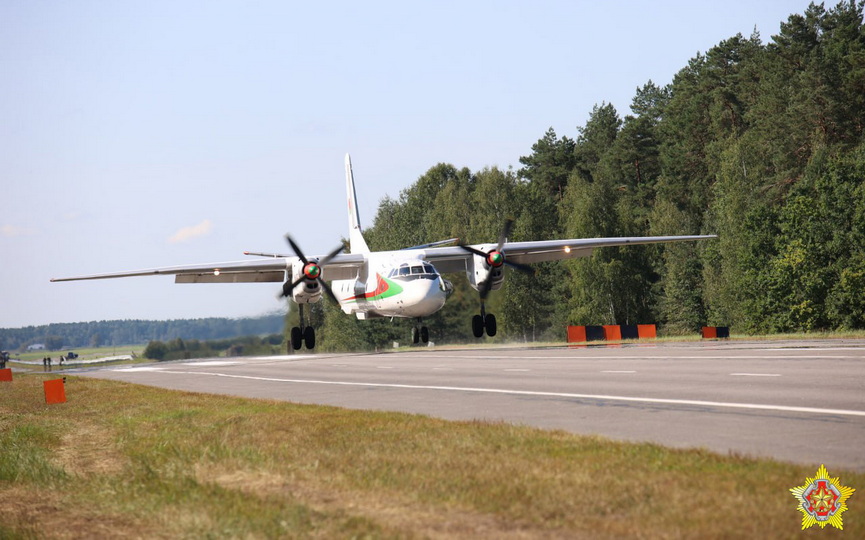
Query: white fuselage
point(397, 284)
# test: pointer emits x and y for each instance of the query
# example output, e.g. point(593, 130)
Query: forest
point(131, 332)
point(759, 143)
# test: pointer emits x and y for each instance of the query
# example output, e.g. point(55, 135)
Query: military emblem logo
point(822, 500)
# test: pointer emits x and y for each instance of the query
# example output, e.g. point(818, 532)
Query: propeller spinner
point(311, 270)
point(496, 258)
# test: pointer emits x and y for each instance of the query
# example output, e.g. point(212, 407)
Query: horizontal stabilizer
point(435, 244)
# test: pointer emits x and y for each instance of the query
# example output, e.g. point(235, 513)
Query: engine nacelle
point(480, 268)
point(308, 291)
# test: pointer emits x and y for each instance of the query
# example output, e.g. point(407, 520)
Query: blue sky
point(144, 134)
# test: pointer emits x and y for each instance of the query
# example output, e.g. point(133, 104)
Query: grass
point(125, 460)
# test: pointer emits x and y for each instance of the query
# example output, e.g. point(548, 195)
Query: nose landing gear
point(419, 333)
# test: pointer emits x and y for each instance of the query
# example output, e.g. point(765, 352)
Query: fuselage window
point(429, 269)
point(404, 270)
point(417, 269)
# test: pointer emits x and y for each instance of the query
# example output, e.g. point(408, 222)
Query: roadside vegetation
point(178, 349)
point(760, 140)
point(121, 460)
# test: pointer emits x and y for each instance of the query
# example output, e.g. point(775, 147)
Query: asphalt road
point(797, 401)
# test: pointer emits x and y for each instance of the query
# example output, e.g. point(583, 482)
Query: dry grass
point(121, 460)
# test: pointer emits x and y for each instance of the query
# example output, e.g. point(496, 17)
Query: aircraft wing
point(248, 271)
point(453, 259)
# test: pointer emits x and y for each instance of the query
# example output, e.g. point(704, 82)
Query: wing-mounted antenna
point(357, 244)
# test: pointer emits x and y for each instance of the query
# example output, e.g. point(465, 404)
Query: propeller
point(311, 270)
point(496, 258)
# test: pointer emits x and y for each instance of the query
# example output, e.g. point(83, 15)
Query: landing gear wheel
point(490, 324)
point(478, 326)
point(309, 337)
point(415, 337)
point(296, 338)
point(424, 334)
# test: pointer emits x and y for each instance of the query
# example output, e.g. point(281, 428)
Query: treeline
point(760, 143)
point(131, 332)
point(178, 348)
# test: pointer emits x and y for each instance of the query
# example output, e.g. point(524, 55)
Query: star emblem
point(822, 500)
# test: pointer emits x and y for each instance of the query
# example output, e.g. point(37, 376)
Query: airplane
point(405, 283)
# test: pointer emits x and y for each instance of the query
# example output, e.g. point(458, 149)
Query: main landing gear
point(419, 333)
point(302, 335)
point(485, 322)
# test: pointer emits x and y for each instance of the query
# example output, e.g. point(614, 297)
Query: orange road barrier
point(576, 334)
point(55, 391)
point(612, 332)
point(647, 331)
point(6, 374)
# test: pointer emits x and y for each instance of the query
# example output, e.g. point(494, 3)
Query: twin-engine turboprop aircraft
point(405, 283)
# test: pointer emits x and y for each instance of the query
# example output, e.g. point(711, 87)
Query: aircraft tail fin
point(357, 244)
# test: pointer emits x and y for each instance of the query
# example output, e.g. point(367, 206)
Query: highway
point(796, 401)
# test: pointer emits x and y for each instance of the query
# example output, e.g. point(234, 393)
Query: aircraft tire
point(309, 337)
point(296, 338)
point(490, 324)
point(478, 326)
point(415, 337)
point(424, 334)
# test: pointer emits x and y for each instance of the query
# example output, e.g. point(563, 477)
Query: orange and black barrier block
point(611, 332)
point(712, 332)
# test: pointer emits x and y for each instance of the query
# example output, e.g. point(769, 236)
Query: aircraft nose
point(435, 295)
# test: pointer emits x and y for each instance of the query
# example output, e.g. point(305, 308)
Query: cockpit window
point(419, 270)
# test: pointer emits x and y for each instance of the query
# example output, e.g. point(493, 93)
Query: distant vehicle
point(71, 355)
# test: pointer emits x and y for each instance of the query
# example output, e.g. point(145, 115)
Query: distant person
point(44, 363)
point(61, 360)
point(49, 363)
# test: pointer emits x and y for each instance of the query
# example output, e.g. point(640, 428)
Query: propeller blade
point(473, 250)
point(296, 249)
point(328, 290)
point(486, 287)
point(332, 254)
point(521, 267)
point(506, 231)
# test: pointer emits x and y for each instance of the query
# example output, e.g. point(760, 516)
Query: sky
point(145, 134)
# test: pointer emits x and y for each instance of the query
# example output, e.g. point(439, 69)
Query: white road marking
point(385, 367)
point(643, 357)
point(617, 371)
point(144, 368)
point(755, 374)
point(601, 397)
point(516, 369)
point(211, 363)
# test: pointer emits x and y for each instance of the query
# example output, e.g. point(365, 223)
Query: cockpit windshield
point(406, 271)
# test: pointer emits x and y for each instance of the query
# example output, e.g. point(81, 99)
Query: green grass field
point(121, 460)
